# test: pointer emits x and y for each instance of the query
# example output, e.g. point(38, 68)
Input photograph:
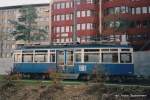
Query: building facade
point(7, 43)
point(110, 20)
point(74, 21)
point(127, 17)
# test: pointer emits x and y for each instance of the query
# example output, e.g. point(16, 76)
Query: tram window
point(105, 49)
point(69, 57)
point(40, 58)
point(91, 57)
point(110, 57)
point(125, 58)
point(113, 49)
point(52, 57)
point(125, 49)
point(17, 58)
point(78, 57)
point(91, 50)
point(27, 58)
point(78, 50)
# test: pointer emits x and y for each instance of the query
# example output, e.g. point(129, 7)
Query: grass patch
point(45, 82)
point(2, 77)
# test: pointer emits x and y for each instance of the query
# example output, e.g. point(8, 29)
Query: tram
point(74, 61)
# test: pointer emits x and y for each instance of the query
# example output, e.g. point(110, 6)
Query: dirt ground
point(16, 91)
point(44, 92)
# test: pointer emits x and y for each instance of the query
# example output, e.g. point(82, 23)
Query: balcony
point(118, 3)
point(132, 17)
point(62, 11)
point(92, 19)
point(87, 6)
point(62, 23)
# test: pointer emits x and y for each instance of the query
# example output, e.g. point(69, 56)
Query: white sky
point(7, 3)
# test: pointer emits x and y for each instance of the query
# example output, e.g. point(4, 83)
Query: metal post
point(74, 37)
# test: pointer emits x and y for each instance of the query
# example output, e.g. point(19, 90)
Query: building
point(74, 21)
point(127, 17)
point(108, 20)
point(11, 12)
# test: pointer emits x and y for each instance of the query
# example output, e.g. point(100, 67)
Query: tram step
point(70, 76)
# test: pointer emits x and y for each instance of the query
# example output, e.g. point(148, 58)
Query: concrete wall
point(142, 63)
point(5, 65)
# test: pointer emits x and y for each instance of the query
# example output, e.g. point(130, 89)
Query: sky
point(7, 3)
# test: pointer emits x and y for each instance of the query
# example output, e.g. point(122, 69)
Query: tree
point(25, 27)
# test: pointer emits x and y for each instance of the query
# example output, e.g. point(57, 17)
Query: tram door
point(60, 60)
point(64, 59)
point(69, 58)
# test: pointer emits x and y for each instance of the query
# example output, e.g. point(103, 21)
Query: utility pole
point(1, 42)
point(74, 36)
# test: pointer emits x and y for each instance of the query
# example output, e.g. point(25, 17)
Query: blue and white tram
point(75, 60)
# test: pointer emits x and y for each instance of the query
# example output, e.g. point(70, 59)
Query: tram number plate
point(82, 68)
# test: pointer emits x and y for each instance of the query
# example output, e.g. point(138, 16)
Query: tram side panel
point(34, 67)
point(107, 69)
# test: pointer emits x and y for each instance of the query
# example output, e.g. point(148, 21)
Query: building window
point(62, 5)
point(138, 10)
point(83, 26)
point(133, 10)
point(62, 17)
point(89, 26)
point(83, 14)
point(71, 16)
point(123, 9)
point(67, 28)
point(78, 2)
point(58, 17)
point(149, 9)
point(110, 11)
point(78, 13)
point(144, 10)
point(88, 13)
point(70, 28)
point(67, 5)
point(58, 5)
point(62, 29)
point(78, 26)
point(67, 17)
point(117, 10)
point(58, 29)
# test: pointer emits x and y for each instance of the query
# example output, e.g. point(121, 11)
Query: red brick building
point(74, 20)
point(135, 14)
point(86, 20)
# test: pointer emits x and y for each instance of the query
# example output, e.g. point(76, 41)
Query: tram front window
point(125, 58)
point(110, 57)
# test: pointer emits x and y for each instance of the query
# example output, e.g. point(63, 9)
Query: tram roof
point(74, 46)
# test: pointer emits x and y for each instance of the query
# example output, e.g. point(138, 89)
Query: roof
point(10, 3)
point(74, 46)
